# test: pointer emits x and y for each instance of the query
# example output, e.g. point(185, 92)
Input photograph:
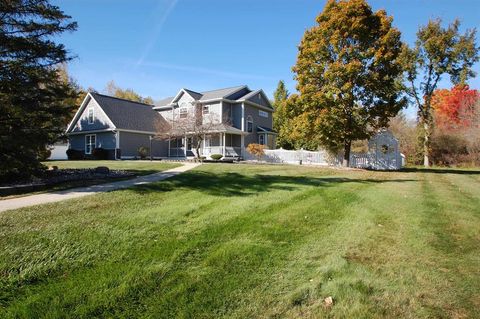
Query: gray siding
point(104, 140)
point(130, 142)
point(233, 112)
point(259, 99)
point(100, 120)
point(257, 121)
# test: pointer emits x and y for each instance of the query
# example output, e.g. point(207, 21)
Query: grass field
point(244, 241)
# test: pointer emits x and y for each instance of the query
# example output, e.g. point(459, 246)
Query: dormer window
point(91, 116)
point(249, 124)
point(183, 113)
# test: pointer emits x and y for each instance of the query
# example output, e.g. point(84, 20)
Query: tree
point(127, 94)
point(437, 51)
point(33, 97)
point(454, 108)
point(280, 119)
point(194, 125)
point(348, 75)
point(257, 150)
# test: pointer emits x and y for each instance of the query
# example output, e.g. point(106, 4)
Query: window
point(183, 113)
point(90, 143)
point(263, 113)
point(249, 124)
point(261, 139)
point(206, 109)
point(91, 116)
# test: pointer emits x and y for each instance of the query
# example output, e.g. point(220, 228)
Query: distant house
point(121, 126)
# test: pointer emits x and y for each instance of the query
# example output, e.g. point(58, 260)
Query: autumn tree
point(127, 94)
point(33, 108)
point(347, 71)
point(454, 108)
point(437, 51)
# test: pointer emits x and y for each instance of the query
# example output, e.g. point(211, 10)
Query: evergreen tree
point(279, 116)
point(348, 75)
point(33, 96)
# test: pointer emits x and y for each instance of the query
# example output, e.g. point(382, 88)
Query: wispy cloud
point(160, 22)
point(194, 69)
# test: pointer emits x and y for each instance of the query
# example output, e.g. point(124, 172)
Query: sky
point(159, 47)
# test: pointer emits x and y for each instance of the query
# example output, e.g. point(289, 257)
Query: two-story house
point(245, 117)
point(242, 116)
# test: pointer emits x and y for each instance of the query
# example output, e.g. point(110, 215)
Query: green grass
point(245, 241)
point(138, 168)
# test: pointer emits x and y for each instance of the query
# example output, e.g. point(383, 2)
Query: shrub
point(216, 157)
point(257, 150)
point(75, 154)
point(44, 153)
point(143, 152)
point(100, 153)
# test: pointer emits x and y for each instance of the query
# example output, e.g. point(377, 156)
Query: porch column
point(169, 139)
point(223, 144)
point(242, 145)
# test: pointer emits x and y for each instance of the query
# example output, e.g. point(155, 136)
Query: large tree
point(33, 96)
point(348, 74)
point(438, 51)
point(128, 94)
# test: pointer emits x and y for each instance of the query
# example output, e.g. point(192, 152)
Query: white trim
point(82, 108)
point(117, 139)
point(94, 145)
point(92, 131)
point(243, 117)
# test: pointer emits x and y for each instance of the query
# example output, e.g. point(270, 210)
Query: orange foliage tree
point(455, 108)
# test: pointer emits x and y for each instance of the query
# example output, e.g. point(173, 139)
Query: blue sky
point(158, 47)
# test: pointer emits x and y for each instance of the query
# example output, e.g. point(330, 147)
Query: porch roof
point(266, 130)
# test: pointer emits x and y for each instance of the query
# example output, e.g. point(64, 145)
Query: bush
point(216, 157)
point(44, 153)
point(448, 149)
point(257, 150)
point(100, 153)
point(75, 154)
point(143, 152)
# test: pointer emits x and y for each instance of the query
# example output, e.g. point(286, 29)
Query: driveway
point(52, 197)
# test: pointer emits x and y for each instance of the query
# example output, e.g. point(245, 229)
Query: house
point(243, 116)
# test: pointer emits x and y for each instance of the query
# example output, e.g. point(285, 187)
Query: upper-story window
point(263, 113)
point(249, 124)
point(91, 116)
point(206, 109)
point(183, 112)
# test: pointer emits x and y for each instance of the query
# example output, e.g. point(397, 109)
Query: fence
point(292, 157)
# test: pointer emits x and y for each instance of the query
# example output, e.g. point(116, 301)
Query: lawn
point(139, 167)
point(245, 241)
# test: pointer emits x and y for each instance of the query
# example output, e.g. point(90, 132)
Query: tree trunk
point(346, 153)
point(197, 148)
point(426, 143)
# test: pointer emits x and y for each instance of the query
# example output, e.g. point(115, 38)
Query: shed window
point(90, 143)
point(206, 109)
point(91, 116)
point(261, 139)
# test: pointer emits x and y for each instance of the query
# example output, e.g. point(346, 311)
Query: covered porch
point(227, 141)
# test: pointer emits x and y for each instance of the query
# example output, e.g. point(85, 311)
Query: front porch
point(226, 144)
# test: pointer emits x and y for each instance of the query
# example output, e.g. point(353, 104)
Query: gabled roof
point(124, 114)
point(203, 96)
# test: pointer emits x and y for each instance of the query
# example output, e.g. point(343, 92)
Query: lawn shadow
point(440, 171)
point(235, 184)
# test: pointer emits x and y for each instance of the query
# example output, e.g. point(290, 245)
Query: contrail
point(157, 30)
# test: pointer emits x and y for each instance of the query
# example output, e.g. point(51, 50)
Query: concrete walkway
point(38, 199)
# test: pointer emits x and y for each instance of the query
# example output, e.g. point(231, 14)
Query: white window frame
point(260, 138)
point(263, 114)
point(91, 111)
point(183, 112)
point(249, 121)
point(88, 143)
